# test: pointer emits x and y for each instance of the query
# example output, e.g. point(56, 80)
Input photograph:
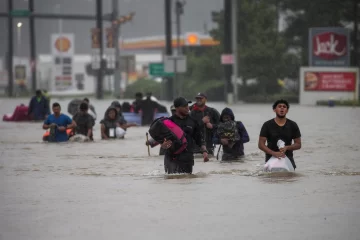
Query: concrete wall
point(311, 97)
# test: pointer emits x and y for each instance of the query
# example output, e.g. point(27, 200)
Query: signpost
point(20, 13)
point(175, 64)
point(95, 45)
point(157, 69)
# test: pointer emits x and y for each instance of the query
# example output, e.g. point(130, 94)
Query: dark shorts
point(182, 163)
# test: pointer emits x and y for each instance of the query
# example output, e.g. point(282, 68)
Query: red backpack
point(163, 128)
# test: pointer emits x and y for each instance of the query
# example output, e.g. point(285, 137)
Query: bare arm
point(89, 133)
point(263, 147)
point(295, 146)
point(103, 135)
point(72, 124)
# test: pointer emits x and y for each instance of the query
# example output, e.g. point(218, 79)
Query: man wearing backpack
point(231, 135)
point(206, 117)
point(183, 162)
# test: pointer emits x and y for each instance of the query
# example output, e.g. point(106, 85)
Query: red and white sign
point(329, 45)
point(227, 59)
point(330, 81)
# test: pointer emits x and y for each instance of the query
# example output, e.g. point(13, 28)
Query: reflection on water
point(62, 191)
point(279, 177)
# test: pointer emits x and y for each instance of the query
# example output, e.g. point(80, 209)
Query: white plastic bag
point(120, 132)
point(278, 165)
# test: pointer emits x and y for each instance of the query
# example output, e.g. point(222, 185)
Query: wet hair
point(56, 104)
point(86, 100)
point(281, 101)
point(84, 106)
point(126, 107)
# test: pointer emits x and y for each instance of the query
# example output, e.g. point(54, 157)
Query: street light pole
point(60, 33)
point(234, 48)
point(19, 25)
point(116, 31)
point(178, 11)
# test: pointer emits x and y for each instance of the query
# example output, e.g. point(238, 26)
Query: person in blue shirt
point(58, 123)
point(38, 107)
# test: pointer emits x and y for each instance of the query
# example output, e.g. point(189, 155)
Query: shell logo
point(192, 39)
point(62, 44)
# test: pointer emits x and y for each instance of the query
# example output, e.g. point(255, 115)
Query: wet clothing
point(184, 161)
point(84, 122)
point(126, 107)
point(110, 124)
point(60, 121)
point(38, 108)
point(198, 114)
point(120, 117)
point(147, 108)
point(273, 132)
point(236, 149)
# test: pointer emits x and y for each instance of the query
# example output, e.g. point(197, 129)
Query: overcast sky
point(148, 21)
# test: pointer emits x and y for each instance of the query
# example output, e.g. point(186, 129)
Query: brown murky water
point(113, 190)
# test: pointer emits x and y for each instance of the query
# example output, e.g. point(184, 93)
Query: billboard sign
point(329, 47)
point(329, 81)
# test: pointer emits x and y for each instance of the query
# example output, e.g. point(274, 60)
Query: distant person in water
point(109, 124)
point(138, 99)
point(38, 107)
point(58, 123)
point(84, 122)
point(147, 108)
point(121, 119)
point(280, 128)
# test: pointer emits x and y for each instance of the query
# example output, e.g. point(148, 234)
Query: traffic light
point(215, 16)
point(110, 38)
point(124, 19)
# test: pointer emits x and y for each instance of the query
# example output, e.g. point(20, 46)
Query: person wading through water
point(184, 161)
point(84, 122)
point(207, 119)
point(280, 128)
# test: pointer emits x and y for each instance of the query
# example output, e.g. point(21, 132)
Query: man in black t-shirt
point(280, 128)
point(84, 121)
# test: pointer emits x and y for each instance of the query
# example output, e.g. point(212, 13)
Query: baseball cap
point(181, 102)
point(201, 95)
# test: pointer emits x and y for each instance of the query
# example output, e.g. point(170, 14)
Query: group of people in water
point(203, 128)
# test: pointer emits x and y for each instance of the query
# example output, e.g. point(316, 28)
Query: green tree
point(262, 51)
point(306, 14)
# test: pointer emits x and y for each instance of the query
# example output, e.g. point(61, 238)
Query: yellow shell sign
point(192, 39)
point(62, 44)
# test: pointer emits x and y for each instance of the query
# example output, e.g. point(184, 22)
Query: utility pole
point(234, 46)
point(356, 33)
point(229, 97)
point(179, 10)
point(168, 47)
point(116, 30)
point(32, 47)
point(10, 50)
point(99, 25)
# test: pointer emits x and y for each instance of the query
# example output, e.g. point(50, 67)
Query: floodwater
point(114, 190)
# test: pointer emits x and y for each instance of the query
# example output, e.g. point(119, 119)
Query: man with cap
point(184, 161)
point(207, 119)
point(151, 142)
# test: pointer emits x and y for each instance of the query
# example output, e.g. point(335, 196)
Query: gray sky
point(148, 21)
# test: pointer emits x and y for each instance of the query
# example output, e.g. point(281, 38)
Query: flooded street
point(114, 190)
